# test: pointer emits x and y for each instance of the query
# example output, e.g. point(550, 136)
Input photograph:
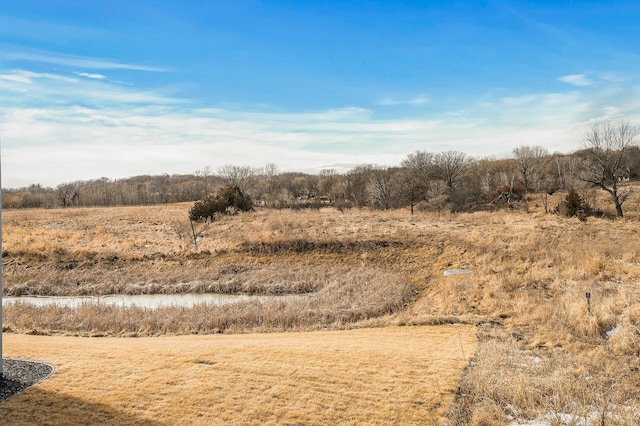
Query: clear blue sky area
point(121, 88)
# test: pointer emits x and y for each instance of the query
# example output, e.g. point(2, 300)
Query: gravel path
point(19, 375)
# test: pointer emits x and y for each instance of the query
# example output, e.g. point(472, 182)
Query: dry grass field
point(544, 355)
point(383, 376)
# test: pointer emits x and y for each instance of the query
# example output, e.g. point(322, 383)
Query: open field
point(543, 352)
point(380, 376)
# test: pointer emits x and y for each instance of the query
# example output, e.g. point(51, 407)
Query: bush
point(574, 205)
point(229, 200)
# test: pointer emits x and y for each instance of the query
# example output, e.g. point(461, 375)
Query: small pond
point(150, 301)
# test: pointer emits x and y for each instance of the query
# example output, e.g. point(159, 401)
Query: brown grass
point(340, 297)
point(531, 272)
point(381, 376)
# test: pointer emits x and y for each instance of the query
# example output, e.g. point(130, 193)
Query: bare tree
point(449, 166)
point(531, 162)
point(270, 170)
point(239, 176)
point(565, 168)
point(191, 231)
point(205, 172)
point(415, 178)
point(356, 183)
point(605, 159)
point(380, 188)
point(269, 185)
point(329, 184)
point(533, 166)
point(67, 194)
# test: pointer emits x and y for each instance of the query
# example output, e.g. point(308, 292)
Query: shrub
point(574, 205)
point(229, 200)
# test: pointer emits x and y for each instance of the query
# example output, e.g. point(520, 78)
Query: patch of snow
point(456, 272)
point(553, 419)
point(612, 332)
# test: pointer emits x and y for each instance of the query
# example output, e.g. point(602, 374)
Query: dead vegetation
point(340, 297)
point(382, 376)
point(546, 352)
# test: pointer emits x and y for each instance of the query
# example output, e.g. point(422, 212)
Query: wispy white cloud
point(57, 144)
point(74, 61)
point(20, 86)
point(91, 75)
point(576, 79)
point(608, 113)
point(108, 129)
point(28, 77)
point(418, 100)
point(16, 78)
point(47, 30)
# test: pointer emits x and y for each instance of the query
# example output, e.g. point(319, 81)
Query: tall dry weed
point(339, 297)
point(510, 384)
point(530, 275)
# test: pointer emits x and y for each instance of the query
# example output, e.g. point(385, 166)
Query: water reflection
point(142, 300)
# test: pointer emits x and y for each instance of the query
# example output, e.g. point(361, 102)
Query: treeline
point(138, 190)
point(449, 179)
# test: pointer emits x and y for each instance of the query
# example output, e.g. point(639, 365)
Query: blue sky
point(92, 89)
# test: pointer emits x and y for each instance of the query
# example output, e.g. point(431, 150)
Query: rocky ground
point(17, 375)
